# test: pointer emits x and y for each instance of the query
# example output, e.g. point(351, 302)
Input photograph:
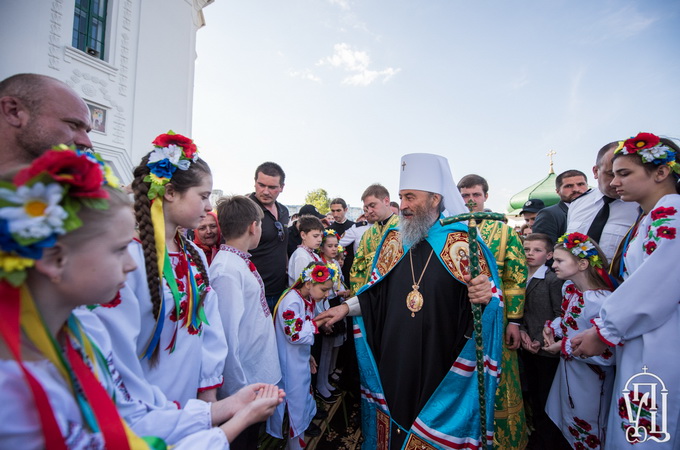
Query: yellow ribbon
point(34, 327)
point(158, 222)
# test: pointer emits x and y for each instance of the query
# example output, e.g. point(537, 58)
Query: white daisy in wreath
point(38, 214)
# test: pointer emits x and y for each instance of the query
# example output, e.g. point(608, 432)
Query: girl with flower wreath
point(579, 397)
point(64, 233)
point(167, 320)
point(642, 318)
point(295, 332)
point(331, 337)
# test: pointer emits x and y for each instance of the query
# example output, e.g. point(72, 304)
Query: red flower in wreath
point(288, 314)
point(650, 247)
point(298, 324)
point(641, 141)
point(662, 213)
point(320, 274)
point(165, 140)
point(666, 232)
point(84, 176)
point(575, 239)
point(583, 424)
point(592, 441)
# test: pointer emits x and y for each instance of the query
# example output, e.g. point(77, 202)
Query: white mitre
point(431, 173)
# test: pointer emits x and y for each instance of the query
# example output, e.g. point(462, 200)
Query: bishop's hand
point(332, 315)
point(479, 289)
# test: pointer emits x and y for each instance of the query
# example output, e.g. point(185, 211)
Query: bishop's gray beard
point(415, 229)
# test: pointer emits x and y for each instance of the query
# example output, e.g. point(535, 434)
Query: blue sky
point(336, 90)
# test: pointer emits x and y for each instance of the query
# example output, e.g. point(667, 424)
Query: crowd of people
point(166, 320)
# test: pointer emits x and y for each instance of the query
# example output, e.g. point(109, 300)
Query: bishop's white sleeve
point(354, 306)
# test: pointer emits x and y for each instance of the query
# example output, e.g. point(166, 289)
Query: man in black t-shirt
point(270, 256)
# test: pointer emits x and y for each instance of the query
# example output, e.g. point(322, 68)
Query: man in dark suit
point(553, 220)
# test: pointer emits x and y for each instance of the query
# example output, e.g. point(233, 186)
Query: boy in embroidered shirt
point(542, 302)
point(295, 331)
point(311, 232)
point(242, 304)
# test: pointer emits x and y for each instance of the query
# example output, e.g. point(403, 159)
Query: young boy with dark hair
point(242, 304)
point(311, 233)
point(542, 302)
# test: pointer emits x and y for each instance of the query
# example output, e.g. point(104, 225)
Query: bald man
point(36, 113)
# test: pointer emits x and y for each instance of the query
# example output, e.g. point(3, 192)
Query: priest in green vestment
point(506, 245)
point(376, 200)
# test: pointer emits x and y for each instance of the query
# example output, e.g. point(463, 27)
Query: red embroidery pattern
point(181, 269)
point(637, 407)
point(659, 229)
point(581, 431)
point(113, 303)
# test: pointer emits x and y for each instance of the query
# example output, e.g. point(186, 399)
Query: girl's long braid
point(196, 258)
point(142, 209)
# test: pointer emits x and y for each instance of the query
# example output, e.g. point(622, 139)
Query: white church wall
point(142, 87)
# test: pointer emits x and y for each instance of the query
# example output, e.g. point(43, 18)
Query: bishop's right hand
point(332, 315)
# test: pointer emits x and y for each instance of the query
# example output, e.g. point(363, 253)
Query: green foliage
point(319, 198)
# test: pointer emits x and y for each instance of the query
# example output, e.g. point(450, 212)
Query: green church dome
point(543, 189)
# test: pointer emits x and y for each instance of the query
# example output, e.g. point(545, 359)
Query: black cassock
point(414, 354)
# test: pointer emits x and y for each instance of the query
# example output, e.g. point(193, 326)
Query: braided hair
point(181, 181)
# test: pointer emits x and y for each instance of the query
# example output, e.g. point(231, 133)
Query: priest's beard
point(415, 228)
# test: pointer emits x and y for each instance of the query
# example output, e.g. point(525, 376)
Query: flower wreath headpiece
point(582, 247)
point(172, 151)
point(42, 202)
point(329, 232)
point(650, 148)
point(341, 250)
point(320, 273)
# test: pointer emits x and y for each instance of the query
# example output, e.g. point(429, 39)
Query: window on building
point(89, 26)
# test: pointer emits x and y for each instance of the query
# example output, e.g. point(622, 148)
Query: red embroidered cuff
point(316, 329)
point(207, 388)
point(599, 334)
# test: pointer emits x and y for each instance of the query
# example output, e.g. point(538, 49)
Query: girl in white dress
point(167, 319)
point(63, 239)
point(579, 398)
point(295, 332)
point(642, 318)
point(331, 337)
